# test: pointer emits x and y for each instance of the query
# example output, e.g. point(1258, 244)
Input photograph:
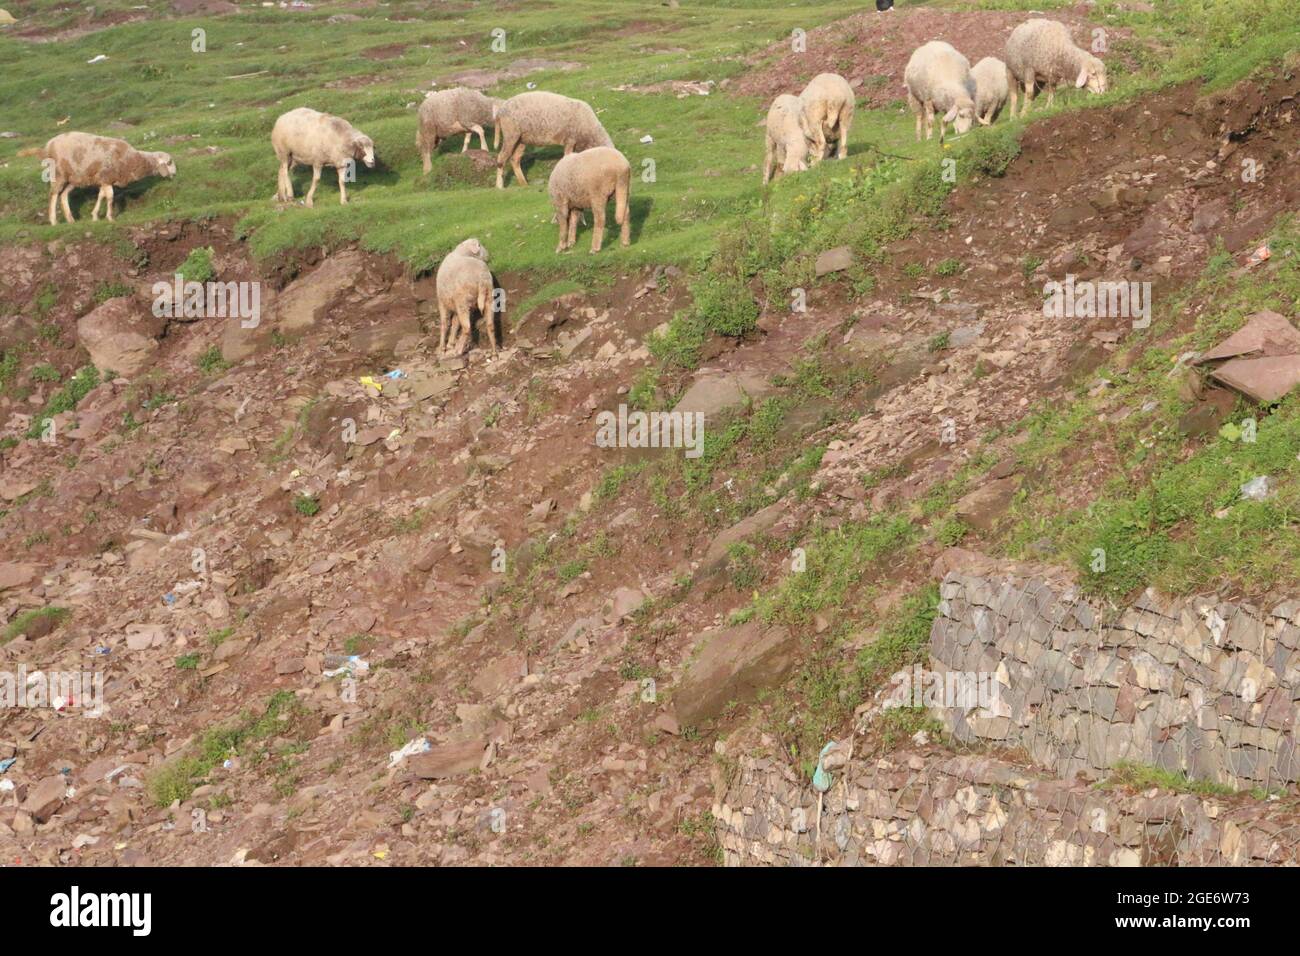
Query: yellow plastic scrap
point(393, 434)
point(369, 382)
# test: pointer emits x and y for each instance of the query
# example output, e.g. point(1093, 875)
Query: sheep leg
point(67, 208)
point(284, 187)
point(598, 225)
point(311, 193)
point(482, 140)
point(108, 197)
point(442, 328)
point(562, 217)
point(1051, 95)
point(463, 313)
point(1029, 92)
point(56, 187)
point(99, 198)
point(485, 310)
point(621, 215)
point(426, 156)
point(917, 109)
point(929, 122)
point(768, 156)
point(574, 216)
point(509, 140)
point(343, 190)
point(514, 162)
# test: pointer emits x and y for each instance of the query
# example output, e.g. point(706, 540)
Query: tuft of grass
point(66, 398)
point(24, 621)
point(307, 505)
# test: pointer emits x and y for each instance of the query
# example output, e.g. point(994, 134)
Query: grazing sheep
point(544, 119)
point(586, 180)
point(938, 80)
point(828, 103)
point(1041, 52)
point(464, 283)
point(317, 139)
point(788, 134)
point(81, 159)
point(990, 76)
point(447, 113)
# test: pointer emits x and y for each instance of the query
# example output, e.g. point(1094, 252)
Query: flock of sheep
point(938, 79)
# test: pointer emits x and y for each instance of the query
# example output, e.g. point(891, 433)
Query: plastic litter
point(7, 763)
point(647, 138)
point(1258, 489)
point(821, 779)
point(338, 664)
point(97, 59)
point(6, 786)
point(395, 374)
point(369, 381)
point(417, 746)
point(169, 598)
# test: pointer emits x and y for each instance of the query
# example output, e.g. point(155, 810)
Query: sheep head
point(163, 165)
point(962, 115)
point(472, 248)
point(1093, 76)
point(363, 148)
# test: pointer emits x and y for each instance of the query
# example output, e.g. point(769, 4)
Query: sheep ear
point(1083, 78)
point(951, 115)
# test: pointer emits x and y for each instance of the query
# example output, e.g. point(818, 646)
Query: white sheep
point(451, 112)
point(538, 118)
point(587, 180)
point(305, 136)
point(788, 136)
point(74, 159)
point(938, 80)
point(464, 283)
point(1041, 52)
point(828, 104)
point(990, 76)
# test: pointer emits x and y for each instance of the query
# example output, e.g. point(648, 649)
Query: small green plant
point(211, 361)
point(111, 290)
point(949, 267)
point(197, 266)
point(46, 618)
point(939, 342)
point(66, 398)
point(188, 662)
point(45, 372)
point(307, 505)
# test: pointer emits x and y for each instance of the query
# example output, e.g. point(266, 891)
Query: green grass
point(23, 622)
point(306, 505)
point(66, 398)
point(1138, 776)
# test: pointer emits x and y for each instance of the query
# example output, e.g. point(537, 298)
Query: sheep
point(937, 79)
point(1041, 51)
point(828, 103)
point(990, 76)
point(788, 135)
point(82, 159)
point(317, 139)
point(447, 113)
point(544, 119)
point(586, 180)
point(464, 282)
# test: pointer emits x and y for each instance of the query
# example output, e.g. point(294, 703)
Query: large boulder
point(120, 336)
point(734, 663)
point(302, 304)
point(714, 392)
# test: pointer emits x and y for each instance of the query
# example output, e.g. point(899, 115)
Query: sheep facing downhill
point(938, 80)
point(538, 118)
point(587, 180)
point(72, 160)
point(448, 113)
point(828, 104)
point(990, 76)
point(464, 283)
point(310, 138)
point(788, 135)
point(1041, 52)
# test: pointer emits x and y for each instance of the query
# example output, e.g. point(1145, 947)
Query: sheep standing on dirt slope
point(828, 103)
point(81, 159)
point(586, 180)
point(544, 119)
point(451, 112)
point(305, 136)
point(938, 80)
point(788, 134)
point(464, 283)
point(990, 76)
point(1041, 52)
